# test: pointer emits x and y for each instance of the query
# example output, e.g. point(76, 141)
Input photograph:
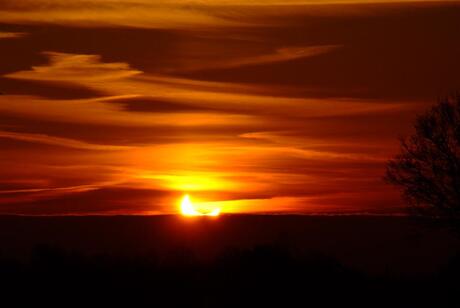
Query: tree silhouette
point(428, 167)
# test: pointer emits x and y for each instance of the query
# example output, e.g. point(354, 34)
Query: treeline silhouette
point(263, 276)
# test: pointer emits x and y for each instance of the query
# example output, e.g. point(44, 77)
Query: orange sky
point(121, 107)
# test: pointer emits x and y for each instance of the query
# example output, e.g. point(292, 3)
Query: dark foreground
point(231, 261)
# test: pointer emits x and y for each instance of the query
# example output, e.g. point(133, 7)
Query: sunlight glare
point(187, 208)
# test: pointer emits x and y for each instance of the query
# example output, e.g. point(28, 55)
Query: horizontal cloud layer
point(121, 107)
point(155, 14)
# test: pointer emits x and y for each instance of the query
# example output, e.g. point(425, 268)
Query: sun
point(187, 208)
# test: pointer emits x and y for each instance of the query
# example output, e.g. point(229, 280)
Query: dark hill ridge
point(231, 261)
point(371, 243)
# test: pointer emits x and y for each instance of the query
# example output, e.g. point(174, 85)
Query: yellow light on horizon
point(215, 212)
point(187, 208)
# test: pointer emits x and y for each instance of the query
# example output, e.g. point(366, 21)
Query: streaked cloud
point(120, 82)
point(258, 106)
point(84, 13)
point(160, 14)
point(8, 35)
point(280, 55)
point(58, 141)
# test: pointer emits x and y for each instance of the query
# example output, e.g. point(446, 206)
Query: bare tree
point(428, 166)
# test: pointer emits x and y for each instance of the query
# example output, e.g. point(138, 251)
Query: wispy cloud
point(279, 55)
point(127, 13)
point(251, 120)
point(8, 35)
point(59, 141)
point(76, 68)
point(181, 14)
point(118, 80)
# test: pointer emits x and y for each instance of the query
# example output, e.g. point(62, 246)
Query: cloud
point(58, 141)
point(53, 191)
point(280, 55)
point(127, 13)
point(101, 111)
point(160, 14)
point(114, 199)
point(163, 107)
point(7, 35)
point(121, 82)
point(75, 68)
point(256, 105)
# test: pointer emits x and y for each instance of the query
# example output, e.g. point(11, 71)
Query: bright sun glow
point(188, 209)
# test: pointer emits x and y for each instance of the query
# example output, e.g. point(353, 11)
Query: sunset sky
point(122, 106)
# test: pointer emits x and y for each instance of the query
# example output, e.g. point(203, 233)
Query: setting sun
point(188, 209)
